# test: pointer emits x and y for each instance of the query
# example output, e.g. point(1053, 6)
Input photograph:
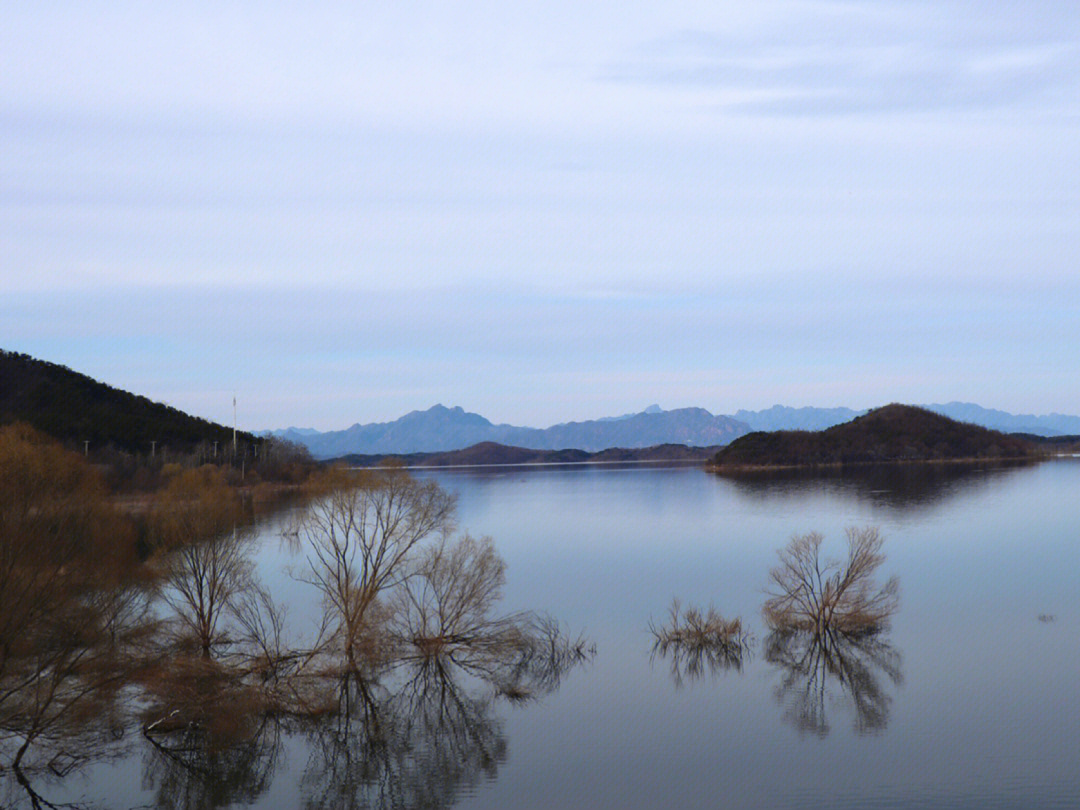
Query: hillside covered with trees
point(74, 408)
point(889, 434)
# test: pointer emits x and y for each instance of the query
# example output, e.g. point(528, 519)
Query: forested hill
point(75, 408)
point(891, 433)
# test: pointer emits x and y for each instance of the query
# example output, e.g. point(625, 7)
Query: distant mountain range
point(440, 429)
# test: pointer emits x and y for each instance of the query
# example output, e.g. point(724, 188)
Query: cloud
point(873, 57)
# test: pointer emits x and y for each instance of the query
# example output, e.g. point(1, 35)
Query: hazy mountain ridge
point(1052, 424)
point(442, 429)
point(782, 417)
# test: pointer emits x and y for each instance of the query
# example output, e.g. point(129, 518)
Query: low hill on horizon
point(491, 453)
point(888, 434)
point(75, 408)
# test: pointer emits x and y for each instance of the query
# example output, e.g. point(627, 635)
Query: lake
point(970, 699)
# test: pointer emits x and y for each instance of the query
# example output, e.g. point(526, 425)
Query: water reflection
point(416, 744)
point(195, 768)
point(410, 731)
point(901, 487)
point(693, 662)
point(819, 670)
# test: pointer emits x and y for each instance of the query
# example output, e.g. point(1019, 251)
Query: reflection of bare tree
point(534, 660)
point(197, 769)
point(822, 668)
point(426, 728)
point(691, 662)
point(414, 746)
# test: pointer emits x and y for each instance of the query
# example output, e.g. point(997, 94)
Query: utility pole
point(86, 448)
point(234, 425)
point(215, 449)
point(153, 448)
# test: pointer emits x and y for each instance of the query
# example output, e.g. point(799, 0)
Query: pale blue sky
point(544, 212)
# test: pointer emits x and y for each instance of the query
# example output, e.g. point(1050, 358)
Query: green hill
point(75, 408)
point(889, 434)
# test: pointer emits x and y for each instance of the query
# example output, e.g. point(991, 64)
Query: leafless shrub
point(699, 641)
point(694, 627)
point(836, 595)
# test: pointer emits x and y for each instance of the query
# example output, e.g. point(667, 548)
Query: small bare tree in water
point(835, 595)
point(361, 535)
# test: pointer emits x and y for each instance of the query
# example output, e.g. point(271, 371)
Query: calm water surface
point(972, 700)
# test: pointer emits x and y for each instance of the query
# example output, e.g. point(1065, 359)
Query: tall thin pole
point(234, 424)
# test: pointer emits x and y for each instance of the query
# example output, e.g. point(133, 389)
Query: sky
point(542, 212)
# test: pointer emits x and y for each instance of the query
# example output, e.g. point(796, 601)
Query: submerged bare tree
point(698, 641)
point(836, 595)
point(361, 536)
point(827, 622)
point(447, 601)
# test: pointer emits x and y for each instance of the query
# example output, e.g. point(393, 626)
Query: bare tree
point(360, 537)
point(198, 519)
point(448, 601)
point(836, 595)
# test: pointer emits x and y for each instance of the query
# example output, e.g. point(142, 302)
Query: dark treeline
point(889, 434)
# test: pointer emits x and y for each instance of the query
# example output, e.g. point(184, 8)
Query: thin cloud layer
point(544, 211)
point(831, 58)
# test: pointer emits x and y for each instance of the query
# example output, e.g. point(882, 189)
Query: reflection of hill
point(893, 486)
